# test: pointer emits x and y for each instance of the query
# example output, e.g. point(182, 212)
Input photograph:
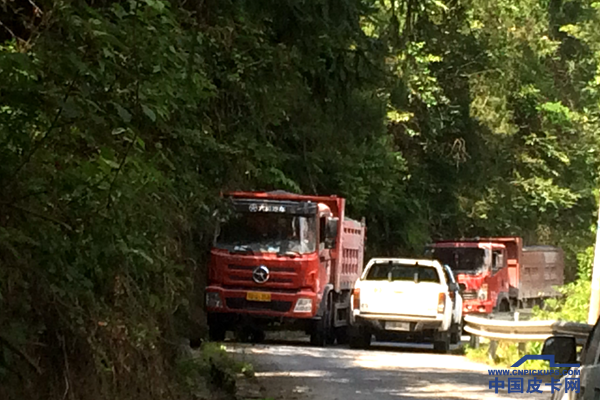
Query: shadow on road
point(398, 347)
point(388, 370)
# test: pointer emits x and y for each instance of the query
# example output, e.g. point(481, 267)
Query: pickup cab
point(400, 299)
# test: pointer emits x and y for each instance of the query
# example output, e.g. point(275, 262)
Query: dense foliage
point(121, 121)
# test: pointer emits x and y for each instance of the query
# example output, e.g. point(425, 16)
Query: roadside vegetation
point(122, 121)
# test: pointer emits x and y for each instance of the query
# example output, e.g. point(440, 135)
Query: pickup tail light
point(356, 297)
point(441, 303)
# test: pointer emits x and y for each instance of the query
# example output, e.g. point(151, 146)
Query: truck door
point(501, 281)
point(325, 265)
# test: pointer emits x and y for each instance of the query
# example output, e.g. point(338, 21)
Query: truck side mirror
point(331, 231)
point(563, 348)
point(452, 287)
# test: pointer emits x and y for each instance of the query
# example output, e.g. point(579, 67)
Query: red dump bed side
point(350, 262)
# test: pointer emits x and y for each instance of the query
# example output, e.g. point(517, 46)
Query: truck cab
point(482, 269)
point(286, 260)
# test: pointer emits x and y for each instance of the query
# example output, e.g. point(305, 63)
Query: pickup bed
point(404, 299)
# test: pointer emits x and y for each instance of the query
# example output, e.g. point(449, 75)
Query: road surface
point(387, 371)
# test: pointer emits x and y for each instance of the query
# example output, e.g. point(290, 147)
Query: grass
point(211, 372)
point(506, 355)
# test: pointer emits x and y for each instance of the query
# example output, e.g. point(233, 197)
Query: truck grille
point(253, 267)
point(248, 279)
point(240, 303)
point(242, 274)
point(469, 295)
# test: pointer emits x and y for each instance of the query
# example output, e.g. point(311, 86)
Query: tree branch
point(38, 144)
point(25, 356)
point(39, 215)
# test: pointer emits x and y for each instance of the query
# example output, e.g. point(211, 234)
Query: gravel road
point(387, 371)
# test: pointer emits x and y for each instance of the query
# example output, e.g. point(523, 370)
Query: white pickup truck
point(407, 300)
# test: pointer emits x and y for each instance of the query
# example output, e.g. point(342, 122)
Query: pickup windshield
point(468, 260)
point(268, 233)
point(402, 272)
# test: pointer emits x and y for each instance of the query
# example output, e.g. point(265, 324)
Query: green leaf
point(149, 113)
point(123, 113)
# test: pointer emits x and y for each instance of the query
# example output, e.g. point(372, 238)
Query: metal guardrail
point(524, 331)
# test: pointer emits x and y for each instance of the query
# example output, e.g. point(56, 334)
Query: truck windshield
point(470, 260)
point(402, 272)
point(268, 233)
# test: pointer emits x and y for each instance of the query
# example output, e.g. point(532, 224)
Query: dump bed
point(542, 267)
point(351, 248)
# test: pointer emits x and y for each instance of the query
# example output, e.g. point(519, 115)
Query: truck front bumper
point(477, 307)
point(266, 303)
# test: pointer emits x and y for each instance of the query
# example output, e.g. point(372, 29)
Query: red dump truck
point(284, 260)
point(499, 274)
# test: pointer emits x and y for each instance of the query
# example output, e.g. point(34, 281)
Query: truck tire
point(341, 335)
point(321, 332)
point(216, 332)
point(359, 338)
point(441, 343)
point(249, 334)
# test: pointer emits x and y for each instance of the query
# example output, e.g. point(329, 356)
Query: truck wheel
point(319, 334)
point(257, 336)
point(216, 332)
point(322, 333)
point(504, 306)
point(341, 334)
point(442, 343)
point(359, 338)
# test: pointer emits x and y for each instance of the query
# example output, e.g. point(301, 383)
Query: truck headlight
point(213, 300)
point(482, 294)
point(303, 305)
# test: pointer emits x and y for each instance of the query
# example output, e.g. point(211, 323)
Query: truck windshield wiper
point(241, 249)
point(290, 253)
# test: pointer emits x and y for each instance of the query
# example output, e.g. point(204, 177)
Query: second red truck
point(499, 274)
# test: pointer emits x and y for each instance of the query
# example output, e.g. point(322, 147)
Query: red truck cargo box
point(542, 267)
point(350, 264)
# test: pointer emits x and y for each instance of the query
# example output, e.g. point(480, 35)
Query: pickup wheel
point(441, 343)
point(455, 333)
point(359, 337)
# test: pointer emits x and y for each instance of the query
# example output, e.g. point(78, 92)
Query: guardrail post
point(492, 349)
point(474, 341)
point(521, 345)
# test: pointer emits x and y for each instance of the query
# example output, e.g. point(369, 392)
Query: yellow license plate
point(258, 296)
